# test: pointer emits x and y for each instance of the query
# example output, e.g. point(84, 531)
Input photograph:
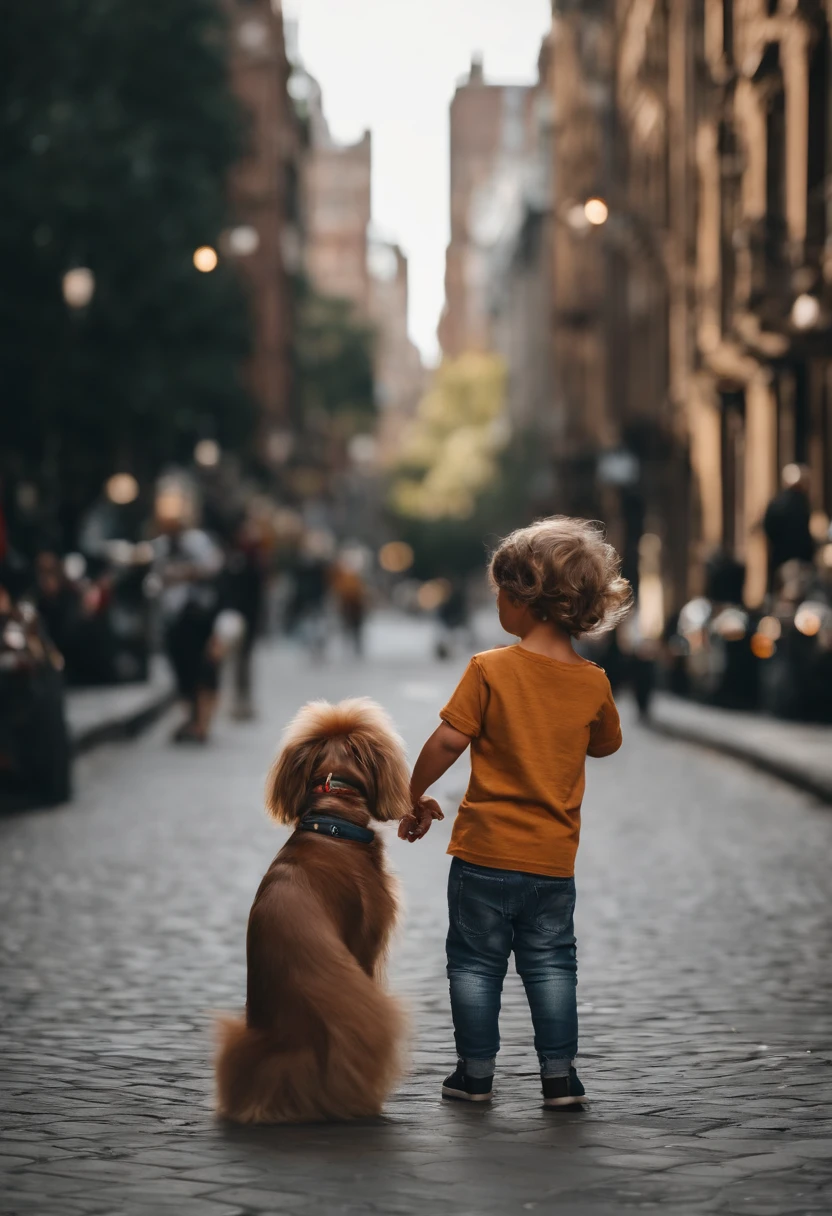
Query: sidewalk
point(798, 752)
point(95, 715)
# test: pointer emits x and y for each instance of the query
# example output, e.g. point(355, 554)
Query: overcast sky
point(392, 66)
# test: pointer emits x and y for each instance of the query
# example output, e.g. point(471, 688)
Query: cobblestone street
point(704, 925)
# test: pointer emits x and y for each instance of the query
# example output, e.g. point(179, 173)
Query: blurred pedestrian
point(244, 588)
point(59, 602)
point(188, 564)
point(531, 714)
point(452, 618)
point(351, 596)
point(308, 604)
point(786, 522)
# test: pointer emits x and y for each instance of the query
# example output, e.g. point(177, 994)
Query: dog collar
point(335, 827)
point(336, 785)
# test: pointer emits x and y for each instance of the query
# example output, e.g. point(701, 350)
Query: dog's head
point(354, 739)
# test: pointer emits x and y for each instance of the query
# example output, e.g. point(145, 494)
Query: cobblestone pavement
point(704, 922)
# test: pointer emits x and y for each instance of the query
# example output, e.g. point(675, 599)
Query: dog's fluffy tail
point(336, 1056)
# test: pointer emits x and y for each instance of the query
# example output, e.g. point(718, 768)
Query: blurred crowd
point(777, 657)
point(201, 593)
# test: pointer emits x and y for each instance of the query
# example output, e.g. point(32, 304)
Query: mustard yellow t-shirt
point(532, 722)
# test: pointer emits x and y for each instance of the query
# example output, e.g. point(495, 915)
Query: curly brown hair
point(564, 571)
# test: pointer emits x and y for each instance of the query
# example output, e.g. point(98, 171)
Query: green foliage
point(450, 547)
point(463, 480)
point(450, 456)
point(334, 367)
point(117, 132)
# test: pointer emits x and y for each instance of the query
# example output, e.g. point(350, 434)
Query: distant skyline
point(392, 66)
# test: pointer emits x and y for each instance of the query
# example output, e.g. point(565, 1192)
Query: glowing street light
point(243, 241)
point(205, 259)
point(596, 211)
point(805, 311)
point(122, 488)
point(396, 557)
point(207, 453)
point(78, 286)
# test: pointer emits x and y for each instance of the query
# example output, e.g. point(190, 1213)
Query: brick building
point(492, 131)
point(338, 196)
point(264, 192)
point(760, 390)
point(521, 285)
point(691, 330)
point(400, 375)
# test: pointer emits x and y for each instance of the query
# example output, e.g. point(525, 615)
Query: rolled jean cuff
point(480, 1068)
point(552, 1067)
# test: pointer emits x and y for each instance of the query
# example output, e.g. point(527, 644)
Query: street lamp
point(122, 488)
point(207, 453)
point(805, 311)
point(78, 286)
point(243, 240)
point(596, 211)
point(205, 259)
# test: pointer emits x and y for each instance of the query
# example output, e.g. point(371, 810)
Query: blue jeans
point(493, 912)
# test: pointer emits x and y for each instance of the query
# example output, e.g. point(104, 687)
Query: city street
point(704, 925)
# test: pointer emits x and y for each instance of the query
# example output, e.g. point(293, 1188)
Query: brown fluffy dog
point(321, 1039)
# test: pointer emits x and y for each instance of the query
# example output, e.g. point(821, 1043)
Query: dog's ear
point(380, 753)
point(288, 781)
point(289, 777)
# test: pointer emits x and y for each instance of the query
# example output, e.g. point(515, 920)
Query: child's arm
point(605, 731)
point(442, 749)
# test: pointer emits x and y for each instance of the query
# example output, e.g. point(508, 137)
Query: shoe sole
point(553, 1103)
point(457, 1095)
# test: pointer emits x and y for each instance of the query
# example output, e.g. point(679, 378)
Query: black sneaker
point(563, 1091)
point(466, 1089)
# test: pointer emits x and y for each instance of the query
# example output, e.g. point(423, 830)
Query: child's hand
point(417, 824)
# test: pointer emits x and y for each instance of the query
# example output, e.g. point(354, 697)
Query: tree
point(452, 485)
point(117, 132)
point(334, 363)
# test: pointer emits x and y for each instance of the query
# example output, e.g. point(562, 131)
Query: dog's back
point(321, 1038)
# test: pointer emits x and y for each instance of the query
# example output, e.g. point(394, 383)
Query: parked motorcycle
point(794, 645)
point(98, 611)
point(35, 748)
point(713, 645)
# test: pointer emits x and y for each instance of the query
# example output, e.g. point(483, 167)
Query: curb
point(802, 779)
point(124, 726)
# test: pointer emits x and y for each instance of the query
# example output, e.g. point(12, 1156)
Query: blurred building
point(691, 321)
point(265, 196)
point(492, 130)
point(400, 375)
point(757, 378)
point(582, 101)
point(337, 190)
point(520, 276)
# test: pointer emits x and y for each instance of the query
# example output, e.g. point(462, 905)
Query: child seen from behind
point(531, 713)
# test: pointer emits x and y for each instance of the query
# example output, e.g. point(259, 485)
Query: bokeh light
point(596, 211)
point(395, 557)
point(433, 594)
point(207, 453)
point(122, 488)
point(78, 286)
point(205, 259)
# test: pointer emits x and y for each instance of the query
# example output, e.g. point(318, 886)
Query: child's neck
point(547, 638)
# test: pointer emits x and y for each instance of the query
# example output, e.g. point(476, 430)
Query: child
point(531, 714)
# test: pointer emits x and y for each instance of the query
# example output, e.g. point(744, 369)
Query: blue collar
point(336, 827)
